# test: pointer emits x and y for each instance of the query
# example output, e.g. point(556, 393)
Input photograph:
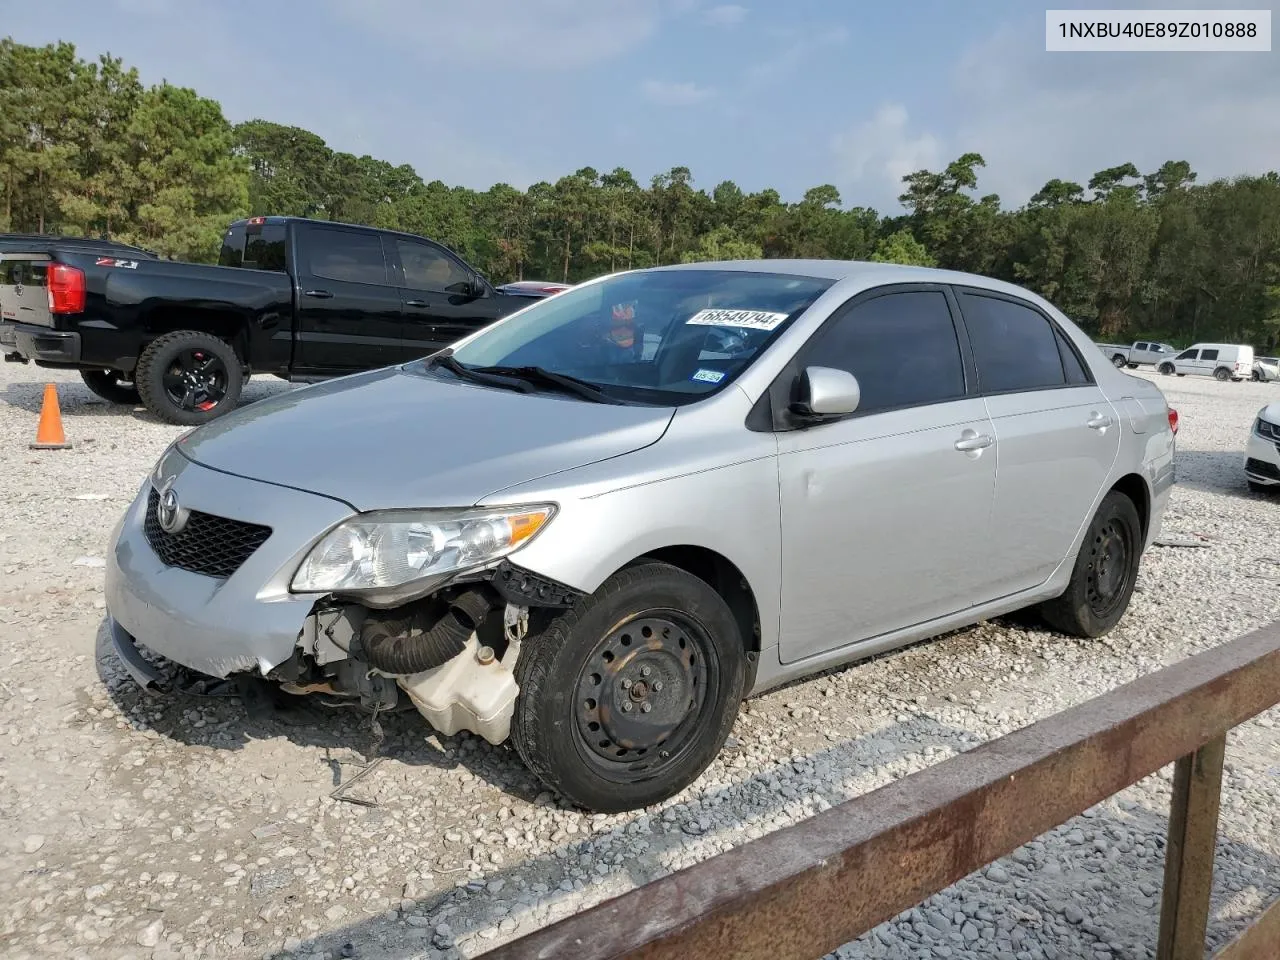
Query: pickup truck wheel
point(1105, 572)
point(110, 385)
point(628, 697)
point(1132, 366)
point(1118, 361)
point(1166, 369)
point(188, 378)
point(1222, 374)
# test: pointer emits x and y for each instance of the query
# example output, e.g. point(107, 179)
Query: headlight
point(375, 551)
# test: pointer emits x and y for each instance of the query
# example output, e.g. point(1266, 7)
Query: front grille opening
point(209, 545)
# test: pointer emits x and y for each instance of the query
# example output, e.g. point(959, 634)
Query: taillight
point(1173, 420)
point(66, 288)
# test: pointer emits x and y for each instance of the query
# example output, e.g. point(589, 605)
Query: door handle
point(416, 303)
point(975, 442)
point(1097, 422)
point(318, 294)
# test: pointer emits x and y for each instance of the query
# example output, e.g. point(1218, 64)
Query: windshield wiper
point(540, 375)
point(447, 361)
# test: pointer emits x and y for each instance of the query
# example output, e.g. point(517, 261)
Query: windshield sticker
point(746, 319)
point(708, 376)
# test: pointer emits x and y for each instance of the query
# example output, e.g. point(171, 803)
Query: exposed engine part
point(329, 633)
point(515, 623)
point(376, 692)
point(474, 691)
point(417, 639)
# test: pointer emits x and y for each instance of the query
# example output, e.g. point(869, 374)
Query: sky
point(786, 94)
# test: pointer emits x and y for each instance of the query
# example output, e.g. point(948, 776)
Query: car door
point(884, 512)
point(438, 304)
point(1185, 362)
point(348, 309)
point(1056, 434)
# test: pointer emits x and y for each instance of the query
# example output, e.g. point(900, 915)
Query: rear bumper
point(22, 341)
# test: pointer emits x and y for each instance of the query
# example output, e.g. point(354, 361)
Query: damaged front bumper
point(161, 597)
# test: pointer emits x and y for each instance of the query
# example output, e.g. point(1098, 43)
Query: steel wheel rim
point(195, 379)
point(643, 694)
point(1110, 568)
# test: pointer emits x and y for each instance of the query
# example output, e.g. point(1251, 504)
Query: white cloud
point(874, 156)
point(672, 94)
point(541, 34)
point(1035, 115)
point(725, 15)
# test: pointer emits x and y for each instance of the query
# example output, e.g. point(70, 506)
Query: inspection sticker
point(747, 319)
point(708, 376)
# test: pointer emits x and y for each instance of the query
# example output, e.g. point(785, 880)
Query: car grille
point(1260, 468)
point(210, 545)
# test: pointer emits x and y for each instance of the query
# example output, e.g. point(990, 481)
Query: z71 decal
point(113, 262)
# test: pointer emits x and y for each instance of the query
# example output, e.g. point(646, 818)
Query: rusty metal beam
point(1259, 941)
point(802, 891)
point(1188, 864)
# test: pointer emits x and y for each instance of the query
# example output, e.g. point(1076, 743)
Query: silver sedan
point(597, 525)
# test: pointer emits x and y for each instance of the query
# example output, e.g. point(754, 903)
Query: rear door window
point(350, 255)
point(1208, 354)
point(1015, 346)
point(264, 247)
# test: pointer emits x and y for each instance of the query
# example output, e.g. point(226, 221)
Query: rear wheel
point(188, 377)
point(1166, 368)
point(1222, 374)
point(1118, 361)
point(628, 697)
point(1105, 572)
point(110, 385)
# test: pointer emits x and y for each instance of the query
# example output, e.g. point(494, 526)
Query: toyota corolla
point(597, 525)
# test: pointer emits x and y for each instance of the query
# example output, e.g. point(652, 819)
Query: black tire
point(189, 378)
point(1105, 572)
point(110, 385)
point(1166, 368)
point(1132, 366)
point(1118, 361)
point(1253, 377)
point(1182, 374)
point(1262, 488)
point(569, 714)
point(1222, 374)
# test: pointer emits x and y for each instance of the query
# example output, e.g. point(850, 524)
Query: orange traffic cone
point(49, 435)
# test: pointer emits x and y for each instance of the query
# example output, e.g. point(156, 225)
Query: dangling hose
point(392, 646)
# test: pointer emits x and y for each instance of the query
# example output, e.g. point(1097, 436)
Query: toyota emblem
point(169, 512)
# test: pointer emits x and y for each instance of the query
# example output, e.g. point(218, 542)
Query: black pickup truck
point(300, 299)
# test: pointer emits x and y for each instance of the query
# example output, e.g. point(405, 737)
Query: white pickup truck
point(1141, 351)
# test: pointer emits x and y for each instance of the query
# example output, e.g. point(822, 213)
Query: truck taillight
point(66, 288)
point(1173, 420)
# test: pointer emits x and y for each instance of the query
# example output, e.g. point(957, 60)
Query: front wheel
point(1105, 572)
point(1166, 368)
point(110, 385)
point(628, 697)
point(188, 377)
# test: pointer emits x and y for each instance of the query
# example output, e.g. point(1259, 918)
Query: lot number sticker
point(747, 319)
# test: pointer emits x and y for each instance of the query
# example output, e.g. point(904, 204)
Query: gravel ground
point(145, 827)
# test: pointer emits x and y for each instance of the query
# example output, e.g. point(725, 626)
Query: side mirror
point(477, 287)
point(825, 392)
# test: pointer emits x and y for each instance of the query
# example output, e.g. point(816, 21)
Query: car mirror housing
point(826, 392)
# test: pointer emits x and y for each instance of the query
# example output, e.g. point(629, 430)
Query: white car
point(1266, 369)
point(1222, 361)
point(1262, 454)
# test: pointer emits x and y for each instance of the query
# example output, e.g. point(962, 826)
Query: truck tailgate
point(24, 295)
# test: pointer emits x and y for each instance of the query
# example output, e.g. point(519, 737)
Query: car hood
point(397, 438)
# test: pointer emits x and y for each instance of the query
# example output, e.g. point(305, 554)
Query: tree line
point(87, 149)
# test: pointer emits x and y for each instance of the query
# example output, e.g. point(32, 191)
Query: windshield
point(659, 336)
